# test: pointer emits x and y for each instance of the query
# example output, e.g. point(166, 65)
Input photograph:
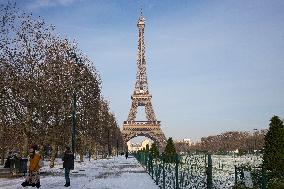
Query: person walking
point(8, 161)
point(126, 154)
point(68, 164)
point(33, 178)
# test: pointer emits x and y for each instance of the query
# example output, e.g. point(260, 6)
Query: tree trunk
point(25, 145)
point(113, 151)
point(3, 152)
point(41, 151)
point(94, 152)
point(2, 144)
point(81, 156)
point(53, 154)
point(27, 131)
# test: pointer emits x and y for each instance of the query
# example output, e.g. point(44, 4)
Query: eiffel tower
point(141, 97)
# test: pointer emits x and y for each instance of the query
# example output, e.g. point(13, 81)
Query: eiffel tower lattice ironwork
point(141, 97)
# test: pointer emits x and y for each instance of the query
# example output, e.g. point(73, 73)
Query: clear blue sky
point(213, 66)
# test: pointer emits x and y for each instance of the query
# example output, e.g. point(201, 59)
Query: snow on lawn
point(112, 173)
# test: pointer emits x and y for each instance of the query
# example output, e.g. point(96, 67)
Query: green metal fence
point(173, 172)
point(257, 175)
point(193, 171)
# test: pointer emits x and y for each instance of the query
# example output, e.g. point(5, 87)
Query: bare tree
point(39, 76)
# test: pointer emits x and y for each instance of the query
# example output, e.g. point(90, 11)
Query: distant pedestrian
point(33, 178)
point(8, 161)
point(68, 164)
point(126, 154)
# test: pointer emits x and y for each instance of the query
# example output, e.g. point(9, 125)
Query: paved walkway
point(113, 173)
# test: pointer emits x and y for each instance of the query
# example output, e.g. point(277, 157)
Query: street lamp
point(117, 142)
point(79, 63)
point(116, 147)
point(108, 142)
point(255, 130)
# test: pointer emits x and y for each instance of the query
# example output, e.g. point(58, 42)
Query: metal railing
point(196, 171)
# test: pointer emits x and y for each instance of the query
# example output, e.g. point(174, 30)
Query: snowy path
point(114, 173)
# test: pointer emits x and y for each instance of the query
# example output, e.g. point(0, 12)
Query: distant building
point(133, 147)
point(184, 141)
point(145, 142)
point(188, 141)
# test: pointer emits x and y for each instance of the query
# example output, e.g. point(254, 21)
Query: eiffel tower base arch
point(149, 129)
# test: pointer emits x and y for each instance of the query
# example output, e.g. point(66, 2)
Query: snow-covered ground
point(112, 173)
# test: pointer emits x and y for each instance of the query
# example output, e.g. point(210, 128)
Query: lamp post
point(254, 150)
point(254, 157)
point(74, 123)
point(108, 142)
point(116, 146)
point(79, 63)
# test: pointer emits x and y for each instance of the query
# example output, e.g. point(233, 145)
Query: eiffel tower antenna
point(142, 97)
point(141, 12)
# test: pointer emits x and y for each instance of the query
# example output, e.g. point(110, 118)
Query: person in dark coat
point(126, 154)
point(8, 161)
point(68, 164)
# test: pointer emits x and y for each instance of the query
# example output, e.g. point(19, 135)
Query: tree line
point(42, 77)
point(223, 143)
point(242, 141)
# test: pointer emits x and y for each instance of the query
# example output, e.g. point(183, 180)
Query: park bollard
point(209, 173)
point(176, 171)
